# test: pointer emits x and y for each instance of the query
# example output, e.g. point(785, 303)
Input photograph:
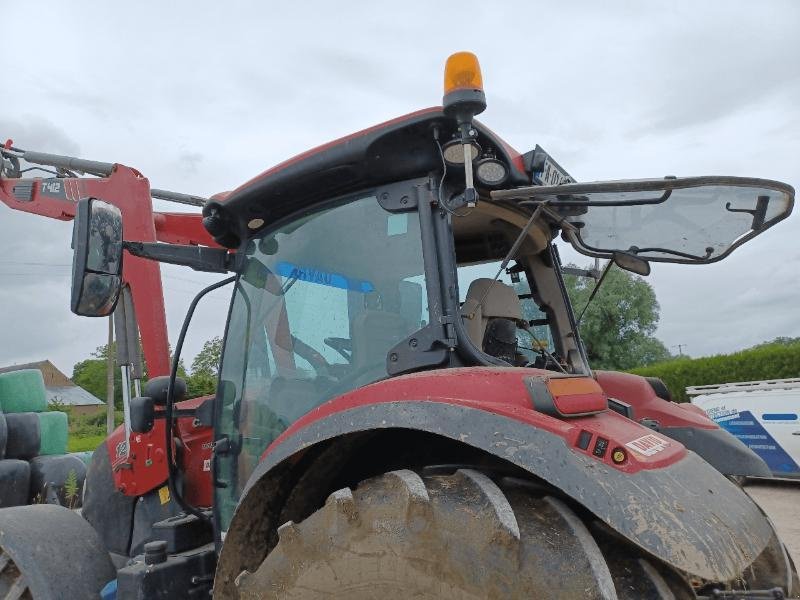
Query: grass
point(86, 432)
point(83, 443)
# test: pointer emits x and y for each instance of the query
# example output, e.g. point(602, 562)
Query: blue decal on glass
point(321, 277)
point(752, 433)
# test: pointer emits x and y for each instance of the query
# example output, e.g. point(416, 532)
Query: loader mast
point(130, 191)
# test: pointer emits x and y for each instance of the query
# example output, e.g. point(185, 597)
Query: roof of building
point(72, 395)
point(30, 365)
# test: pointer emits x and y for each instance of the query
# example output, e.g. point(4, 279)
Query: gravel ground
point(781, 501)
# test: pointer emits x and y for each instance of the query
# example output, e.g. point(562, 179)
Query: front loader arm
point(129, 190)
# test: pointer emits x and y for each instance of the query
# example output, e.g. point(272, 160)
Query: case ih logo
point(648, 445)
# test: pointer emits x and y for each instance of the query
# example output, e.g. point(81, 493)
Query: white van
point(765, 415)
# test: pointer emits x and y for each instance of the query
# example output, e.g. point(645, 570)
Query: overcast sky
point(201, 96)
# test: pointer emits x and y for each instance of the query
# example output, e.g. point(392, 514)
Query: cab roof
point(396, 150)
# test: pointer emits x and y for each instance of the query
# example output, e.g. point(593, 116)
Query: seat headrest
point(501, 301)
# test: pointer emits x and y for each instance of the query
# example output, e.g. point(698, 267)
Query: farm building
point(61, 388)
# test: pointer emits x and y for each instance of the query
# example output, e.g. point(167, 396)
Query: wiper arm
point(574, 200)
point(594, 291)
point(511, 253)
point(636, 251)
point(525, 327)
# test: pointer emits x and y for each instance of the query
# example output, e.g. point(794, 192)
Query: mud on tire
point(402, 535)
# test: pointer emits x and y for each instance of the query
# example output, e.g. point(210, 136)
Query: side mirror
point(97, 258)
point(632, 263)
point(143, 414)
point(158, 387)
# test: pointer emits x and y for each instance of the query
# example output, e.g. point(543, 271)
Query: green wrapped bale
point(53, 431)
point(22, 391)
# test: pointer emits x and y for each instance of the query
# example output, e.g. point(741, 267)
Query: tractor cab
point(387, 269)
point(406, 278)
point(381, 255)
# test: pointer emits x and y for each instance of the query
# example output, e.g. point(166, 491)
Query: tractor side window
point(529, 346)
point(318, 306)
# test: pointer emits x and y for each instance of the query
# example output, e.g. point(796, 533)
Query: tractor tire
point(660, 388)
point(50, 553)
point(460, 536)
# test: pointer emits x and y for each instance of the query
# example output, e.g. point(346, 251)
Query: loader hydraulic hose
point(171, 399)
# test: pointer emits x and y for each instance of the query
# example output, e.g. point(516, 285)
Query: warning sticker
point(648, 445)
point(207, 464)
point(163, 494)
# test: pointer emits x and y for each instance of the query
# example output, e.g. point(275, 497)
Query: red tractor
point(404, 406)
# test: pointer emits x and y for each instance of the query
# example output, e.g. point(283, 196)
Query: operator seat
point(374, 333)
point(501, 301)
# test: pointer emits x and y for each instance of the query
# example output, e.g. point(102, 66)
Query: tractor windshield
point(317, 308)
point(685, 220)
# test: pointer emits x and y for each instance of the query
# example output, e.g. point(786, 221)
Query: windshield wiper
point(636, 251)
point(594, 291)
point(510, 255)
point(573, 200)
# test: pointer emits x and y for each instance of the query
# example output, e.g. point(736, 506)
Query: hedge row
point(776, 361)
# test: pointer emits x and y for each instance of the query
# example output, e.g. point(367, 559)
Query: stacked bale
point(34, 465)
point(54, 427)
point(22, 391)
point(85, 456)
point(24, 435)
point(58, 480)
point(14, 482)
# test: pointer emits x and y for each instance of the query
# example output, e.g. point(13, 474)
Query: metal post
point(126, 404)
point(110, 379)
point(123, 360)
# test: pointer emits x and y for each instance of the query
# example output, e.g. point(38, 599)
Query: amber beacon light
point(463, 87)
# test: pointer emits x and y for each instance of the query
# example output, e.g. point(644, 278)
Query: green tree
point(90, 374)
point(205, 366)
point(207, 360)
point(618, 326)
point(781, 340)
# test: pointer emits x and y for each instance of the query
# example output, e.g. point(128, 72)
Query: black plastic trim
point(721, 449)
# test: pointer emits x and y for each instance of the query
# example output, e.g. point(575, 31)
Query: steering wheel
point(343, 346)
point(321, 366)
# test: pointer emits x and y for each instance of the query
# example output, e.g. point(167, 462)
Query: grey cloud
point(704, 73)
point(189, 161)
point(37, 133)
point(623, 89)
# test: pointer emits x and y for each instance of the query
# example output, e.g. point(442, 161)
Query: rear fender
point(684, 512)
point(685, 423)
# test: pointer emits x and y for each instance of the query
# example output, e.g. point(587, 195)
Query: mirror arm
point(592, 273)
point(199, 258)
